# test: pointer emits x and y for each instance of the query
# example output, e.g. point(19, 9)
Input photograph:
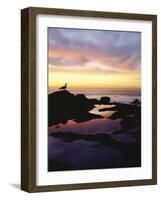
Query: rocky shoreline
point(65, 106)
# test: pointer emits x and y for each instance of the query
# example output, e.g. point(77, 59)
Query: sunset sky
point(94, 58)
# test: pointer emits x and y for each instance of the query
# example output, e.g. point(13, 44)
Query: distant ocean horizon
point(117, 95)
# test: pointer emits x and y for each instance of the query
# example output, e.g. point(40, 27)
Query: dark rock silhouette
point(126, 110)
point(58, 165)
point(136, 102)
point(63, 105)
point(104, 100)
point(94, 101)
point(130, 115)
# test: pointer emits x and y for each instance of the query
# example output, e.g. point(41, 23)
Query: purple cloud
point(122, 47)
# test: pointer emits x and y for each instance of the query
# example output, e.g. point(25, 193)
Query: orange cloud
point(60, 53)
point(108, 63)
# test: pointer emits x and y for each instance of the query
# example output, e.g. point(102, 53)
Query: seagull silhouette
point(63, 87)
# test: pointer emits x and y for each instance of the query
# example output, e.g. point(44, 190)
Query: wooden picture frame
point(28, 98)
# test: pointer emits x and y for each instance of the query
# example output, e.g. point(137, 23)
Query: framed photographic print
point(89, 99)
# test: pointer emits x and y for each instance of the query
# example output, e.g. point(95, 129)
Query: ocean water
point(116, 95)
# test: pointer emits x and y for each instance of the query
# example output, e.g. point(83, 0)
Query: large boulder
point(62, 105)
point(59, 106)
point(104, 100)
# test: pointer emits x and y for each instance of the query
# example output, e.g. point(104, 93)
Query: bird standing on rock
point(63, 87)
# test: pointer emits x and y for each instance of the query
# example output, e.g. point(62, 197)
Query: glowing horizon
point(94, 80)
point(94, 59)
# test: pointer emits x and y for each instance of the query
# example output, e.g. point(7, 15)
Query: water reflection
point(96, 110)
point(93, 144)
point(93, 126)
point(83, 155)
